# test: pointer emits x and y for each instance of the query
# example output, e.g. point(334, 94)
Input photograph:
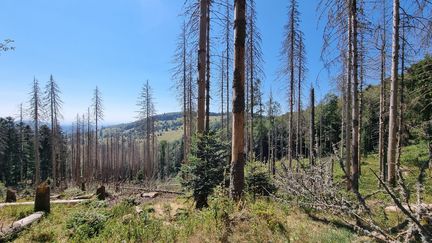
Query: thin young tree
point(98, 115)
point(53, 103)
point(237, 152)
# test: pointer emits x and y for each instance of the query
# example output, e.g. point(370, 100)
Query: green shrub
point(257, 179)
point(205, 168)
point(86, 224)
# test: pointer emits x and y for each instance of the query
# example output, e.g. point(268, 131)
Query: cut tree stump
point(10, 196)
point(9, 232)
point(42, 198)
point(101, 193)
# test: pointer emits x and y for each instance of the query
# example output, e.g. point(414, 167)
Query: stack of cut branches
point(329, 202)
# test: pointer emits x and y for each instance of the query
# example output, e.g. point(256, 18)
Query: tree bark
point(355, 108)
point(312, 128)
point(393, 109)
point(237, 154)
point(202, 65)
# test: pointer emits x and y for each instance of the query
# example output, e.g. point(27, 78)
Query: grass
point(174, 219)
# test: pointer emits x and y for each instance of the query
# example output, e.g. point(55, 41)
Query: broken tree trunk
point(42, 198)
point(17, 226)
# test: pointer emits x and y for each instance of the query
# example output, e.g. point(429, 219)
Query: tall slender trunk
point(348, 117)
point(185, 125)
point(237, 153)
point(252, 79)
point(401, 105)
point(207, 119)
point(382, 110)
point(222, 90)
point(291, 87)
point(355, 108)
point(227, 78)
point(393, 109)
point(312, 128)
point(202, 65)
point(298, 143)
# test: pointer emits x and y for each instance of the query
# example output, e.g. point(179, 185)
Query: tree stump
point(10, 196)
point(101, 193)
point(42, 199)
point(83, 186)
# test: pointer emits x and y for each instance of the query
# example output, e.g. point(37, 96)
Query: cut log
point(73, 201)
point(10, 196)
point(84, 196)
point(42, 198)
point(414, 208)
point(152, 190)
point(150, 194)
point(9, 232)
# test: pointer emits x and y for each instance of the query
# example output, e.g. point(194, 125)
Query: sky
point(118, 45)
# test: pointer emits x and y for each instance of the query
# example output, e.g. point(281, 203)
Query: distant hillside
point(168, 126)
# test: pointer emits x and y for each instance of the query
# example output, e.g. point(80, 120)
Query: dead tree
point(237, 152)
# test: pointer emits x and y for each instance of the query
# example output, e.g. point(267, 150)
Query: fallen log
point(152, 190)
point(150, 194)
point(89, 196)
point(414, 208)
point(9, 232)
point(72, 201)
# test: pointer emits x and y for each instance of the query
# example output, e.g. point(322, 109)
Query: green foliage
point(257, 179)
point(86, 224)
point(205, 168)
point(419, 95)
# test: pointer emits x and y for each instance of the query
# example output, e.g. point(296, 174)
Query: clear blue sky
point(117, 45)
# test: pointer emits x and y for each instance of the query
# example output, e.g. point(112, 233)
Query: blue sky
point(117, 45)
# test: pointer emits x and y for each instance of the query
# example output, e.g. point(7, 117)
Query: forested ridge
point(235, 164)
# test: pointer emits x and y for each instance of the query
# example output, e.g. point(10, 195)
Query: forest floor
point(127, 216)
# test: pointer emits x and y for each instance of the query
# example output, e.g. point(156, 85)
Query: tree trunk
point(381, 153)
point(312, 128)
point(393, 109)
point(42, 198)
point(202, 65)
point(237, 154)
point(355, 108)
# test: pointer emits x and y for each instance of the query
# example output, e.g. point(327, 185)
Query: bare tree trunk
point(381, 153)
point(202, 65)
point(237, 154)
point(393, 111)
point(355, 108)
point(298, 142)
point(207, 119)
point(348, 117)
point(312, 128)
point(291, 87)
point(185, 123)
